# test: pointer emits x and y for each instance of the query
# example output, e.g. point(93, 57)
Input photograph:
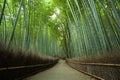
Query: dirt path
point(60, 72)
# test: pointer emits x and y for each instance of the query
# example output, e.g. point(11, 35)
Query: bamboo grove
point(64, 28)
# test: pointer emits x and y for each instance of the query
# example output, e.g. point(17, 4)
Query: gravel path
point(61, 71)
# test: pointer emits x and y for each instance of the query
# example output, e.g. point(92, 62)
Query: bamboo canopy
point(61, 28)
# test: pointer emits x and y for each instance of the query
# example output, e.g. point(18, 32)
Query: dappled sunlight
point(55, 14)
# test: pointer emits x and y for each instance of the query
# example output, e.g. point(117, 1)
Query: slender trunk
point(2, 13)
point(4, 30)
point(14, 26)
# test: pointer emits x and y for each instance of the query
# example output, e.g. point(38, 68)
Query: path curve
point(61, 71)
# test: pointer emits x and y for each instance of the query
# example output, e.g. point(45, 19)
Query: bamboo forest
point(51, 39)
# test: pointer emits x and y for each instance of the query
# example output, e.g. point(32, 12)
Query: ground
point(61, 71)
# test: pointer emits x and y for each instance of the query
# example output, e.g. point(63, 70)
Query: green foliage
point(69, 28)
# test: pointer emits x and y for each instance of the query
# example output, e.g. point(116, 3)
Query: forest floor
point(61, 71)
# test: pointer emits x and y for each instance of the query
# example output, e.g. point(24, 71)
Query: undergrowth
point(17, 57)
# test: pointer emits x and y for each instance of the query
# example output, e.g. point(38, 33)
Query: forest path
point(61, 71)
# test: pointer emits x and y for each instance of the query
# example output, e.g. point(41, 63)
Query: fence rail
point(20, 67)
point(20, 72)
point(91, 75)
point(104, 71)
point(97, 64)
point(86, 73)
